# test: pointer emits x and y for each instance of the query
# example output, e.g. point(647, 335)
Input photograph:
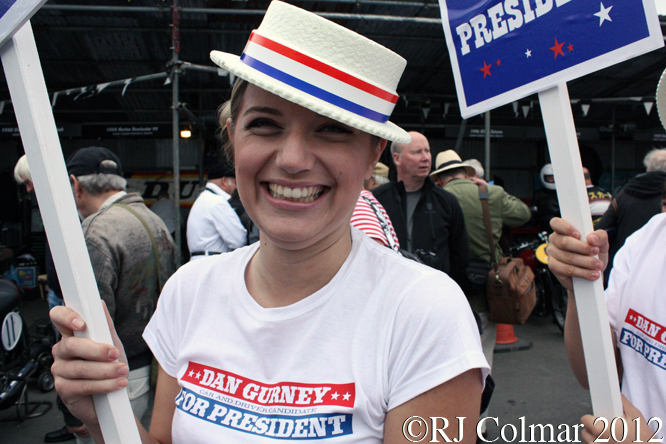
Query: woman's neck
point(277, 277)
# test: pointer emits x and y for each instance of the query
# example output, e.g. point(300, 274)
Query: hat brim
point(661, 99)
point(470, 170)
point(234, 65)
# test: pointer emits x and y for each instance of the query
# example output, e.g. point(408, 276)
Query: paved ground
point(536, 384)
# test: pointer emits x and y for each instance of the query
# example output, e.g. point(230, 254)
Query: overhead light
point(185, 133)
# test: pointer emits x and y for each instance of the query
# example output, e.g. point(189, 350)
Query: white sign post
point(575, 209)
point(56, 202)
point(504, 51)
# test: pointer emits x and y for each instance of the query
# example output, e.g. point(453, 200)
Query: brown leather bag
point(511, 291)
point(510, 285)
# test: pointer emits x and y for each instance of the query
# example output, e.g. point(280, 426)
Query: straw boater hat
point(322, 66)
point(449, 159)
point(380, 170)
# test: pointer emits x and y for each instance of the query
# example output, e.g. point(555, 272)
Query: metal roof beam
point(261, 12)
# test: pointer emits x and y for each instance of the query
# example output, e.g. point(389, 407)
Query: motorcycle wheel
point(558, 301)
point(541, 309)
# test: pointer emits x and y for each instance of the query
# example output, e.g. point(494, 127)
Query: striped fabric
point(364, 219)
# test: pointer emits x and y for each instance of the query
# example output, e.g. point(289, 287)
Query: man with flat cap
point(131, 251)
point(213, 227)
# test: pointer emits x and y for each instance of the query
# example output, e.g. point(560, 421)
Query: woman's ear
point(229, 135)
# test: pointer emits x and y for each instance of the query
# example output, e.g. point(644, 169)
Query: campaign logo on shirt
point(646, 337)
point(283, 410)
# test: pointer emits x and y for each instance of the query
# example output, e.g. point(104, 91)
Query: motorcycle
point(551, 295)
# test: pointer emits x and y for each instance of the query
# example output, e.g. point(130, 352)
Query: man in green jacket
point(454, 176)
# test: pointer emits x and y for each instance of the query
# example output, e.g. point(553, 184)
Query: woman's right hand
point(82, 367)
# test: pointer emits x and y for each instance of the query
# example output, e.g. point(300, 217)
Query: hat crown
point(446, 157)
point(94, 160)
point(321, 39)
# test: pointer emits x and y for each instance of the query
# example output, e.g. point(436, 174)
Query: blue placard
point(14, 14)
point(504, 50)
point(5, 5)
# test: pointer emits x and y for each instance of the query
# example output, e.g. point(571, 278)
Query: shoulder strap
point(152, 240)
point(483, 196)
point(382, 222)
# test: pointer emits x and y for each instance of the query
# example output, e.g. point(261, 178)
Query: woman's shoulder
point(401, 280)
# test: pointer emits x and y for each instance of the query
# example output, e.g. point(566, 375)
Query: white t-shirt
point(384, 330)
point(637, 313)
point(213, 225)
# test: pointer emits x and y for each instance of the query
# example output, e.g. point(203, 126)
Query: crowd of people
point(283, 307)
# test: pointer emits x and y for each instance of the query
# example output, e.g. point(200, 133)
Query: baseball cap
point(89, 161)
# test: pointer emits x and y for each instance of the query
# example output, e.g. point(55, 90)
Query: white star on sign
point(334, 395)
point(198, 375)
point(528, 53)
point(191, 373)
point(603, 14)
point(346, 396)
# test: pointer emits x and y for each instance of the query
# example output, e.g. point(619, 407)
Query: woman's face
point(299, 174)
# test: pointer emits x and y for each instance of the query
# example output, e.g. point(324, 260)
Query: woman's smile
point(295, 194)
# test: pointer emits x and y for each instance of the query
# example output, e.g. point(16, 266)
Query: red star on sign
point(486, 69)
point(557, 49)
point(499, 62)
point(570, 47)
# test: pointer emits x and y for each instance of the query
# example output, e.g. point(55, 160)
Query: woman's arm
point(164, 408)
point(83, 368)
point(458, 397)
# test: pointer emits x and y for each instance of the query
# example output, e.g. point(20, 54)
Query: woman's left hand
point(570, 256)
point(637, 428)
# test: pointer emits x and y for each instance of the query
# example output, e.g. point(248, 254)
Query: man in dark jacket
point(427, 219)
point(635, 204)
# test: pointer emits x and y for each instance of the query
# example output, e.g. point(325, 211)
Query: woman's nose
point(295, 155)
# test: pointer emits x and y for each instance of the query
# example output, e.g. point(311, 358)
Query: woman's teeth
point(302, 194)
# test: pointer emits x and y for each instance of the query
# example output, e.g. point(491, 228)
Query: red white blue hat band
point(318, 79)
point(321, 66)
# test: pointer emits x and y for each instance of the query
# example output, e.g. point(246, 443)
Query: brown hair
point(229, 110)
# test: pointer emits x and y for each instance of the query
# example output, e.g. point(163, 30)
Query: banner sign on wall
point(155, 130)
point(72, 130)
point(504, 50)
point(150, 183)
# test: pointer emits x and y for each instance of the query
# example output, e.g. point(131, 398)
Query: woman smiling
point(316, 331)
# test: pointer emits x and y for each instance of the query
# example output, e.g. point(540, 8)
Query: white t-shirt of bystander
point(637, 313)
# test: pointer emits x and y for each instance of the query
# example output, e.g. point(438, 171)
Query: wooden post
point(56, 202)
point(575, 208)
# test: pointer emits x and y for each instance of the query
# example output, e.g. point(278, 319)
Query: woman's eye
point(261, 123)
point(336, 128)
